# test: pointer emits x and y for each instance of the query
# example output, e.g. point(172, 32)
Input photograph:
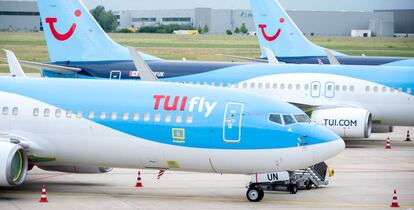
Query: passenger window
point(157, 117)
point(290, 86)
point(344, 88)
point(297, 86)
point(351, 88)
point(302, 118)
point(307, 87)
point(58, 113)
point(282, 86)
point(236, 85)
point(5, 110)
point(189, 119)
point(178, 119)
point(125, 116)
point(330, 87)
point(260, 85)
point(147, 117)
point(91, 115)
point(114, 116)
point(337, 87)
point(245, 85)
point(288, 119)
point(367, 88)
point(46, 112)
point(79, 114)
point(68, 114)
point(392, 90)
point(35, 112)
point(400, 90)
point(276, 118)
point(384, 89)
point(212, 84)
point(102, 116)
point(275, 86)
point(136, 117)
point(315, 87)
point(15, 111)
point(375, 89)
point(267, 86)
point(221, 84)
point(168, 118)
point(409, 90)
point(252, 85)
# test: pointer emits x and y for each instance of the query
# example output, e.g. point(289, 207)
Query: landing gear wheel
point(254, 194)
point(293, 189)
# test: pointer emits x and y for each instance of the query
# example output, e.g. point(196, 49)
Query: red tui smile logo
point(273, 37)
point(62, 36)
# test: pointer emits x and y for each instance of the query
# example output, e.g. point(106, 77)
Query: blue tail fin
point(276, 31)
point(72, 34)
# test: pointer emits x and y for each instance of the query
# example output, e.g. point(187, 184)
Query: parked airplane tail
point(276, 31)
point(72, 34)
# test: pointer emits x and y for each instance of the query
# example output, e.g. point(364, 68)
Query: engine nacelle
point(77, 169)
point(347, 122)
point(13, 164)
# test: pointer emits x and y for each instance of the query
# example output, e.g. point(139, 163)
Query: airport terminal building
point(24, 16)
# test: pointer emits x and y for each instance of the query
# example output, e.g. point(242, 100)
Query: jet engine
point(13, 164)
point(347, 122)
point(77, 169)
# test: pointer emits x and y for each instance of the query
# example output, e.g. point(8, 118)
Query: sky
point(322, 5)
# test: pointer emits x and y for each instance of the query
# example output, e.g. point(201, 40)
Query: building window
point(176, 19)
point(58, 113)
point(46, 112)
point(36, 112)
point(144, 19)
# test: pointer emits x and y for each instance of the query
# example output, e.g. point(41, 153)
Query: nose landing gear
point(254, 193)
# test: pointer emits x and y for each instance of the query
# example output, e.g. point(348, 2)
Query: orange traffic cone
point(139, 183)
point(408, 136)
point(388, 145)
point(394, 203)
point(43, 197)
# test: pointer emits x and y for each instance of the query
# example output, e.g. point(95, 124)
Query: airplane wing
point(257, 60)
point(332, 59)
point(14, 65)
point(271, 58)
point(145, 71)
point(45, 66)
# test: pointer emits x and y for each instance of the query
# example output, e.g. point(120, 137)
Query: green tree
point(228, 32)
point(206, 29)
point(237, 30)
point(243, 29)
point(106, 19)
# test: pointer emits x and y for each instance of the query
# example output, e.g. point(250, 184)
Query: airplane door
point(232, 122)
point(330, 90)
point(315, 89)
point(115, 75)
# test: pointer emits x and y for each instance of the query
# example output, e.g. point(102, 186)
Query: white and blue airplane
point(82, 125)
point(277, 31)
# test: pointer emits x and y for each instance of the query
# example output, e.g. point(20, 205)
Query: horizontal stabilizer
point(48, 67)
point(271, 58)
point(257, 60)
point(145, 72)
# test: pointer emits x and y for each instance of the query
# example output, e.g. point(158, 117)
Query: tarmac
point(365, 177)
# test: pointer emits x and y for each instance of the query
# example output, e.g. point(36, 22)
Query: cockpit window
point(276, 118)
point(288, 119)
point(302, 118)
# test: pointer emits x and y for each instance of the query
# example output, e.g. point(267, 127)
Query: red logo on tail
point(275, 36)
point(62, 36)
